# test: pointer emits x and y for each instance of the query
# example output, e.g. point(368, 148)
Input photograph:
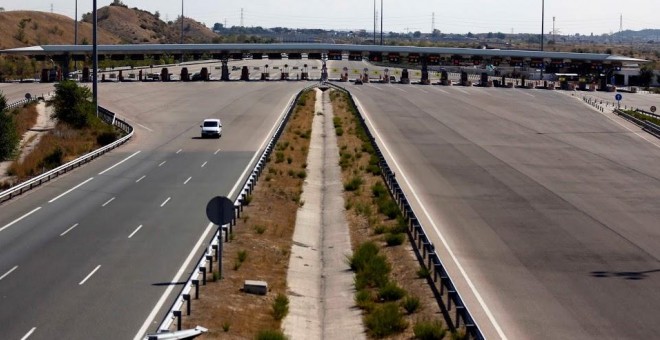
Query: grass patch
point(429, 330)
point(385, 320)
point(394, 239)
point(354, 184)
point(280, 307)
point(269, 334)
point(391, 292)
point(411, 304)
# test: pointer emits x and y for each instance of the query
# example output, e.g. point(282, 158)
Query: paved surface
point(548, 206)
point(320, 282)
point(93, 262)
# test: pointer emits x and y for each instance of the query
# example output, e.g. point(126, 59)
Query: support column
point(225, 71)
point(425, 71)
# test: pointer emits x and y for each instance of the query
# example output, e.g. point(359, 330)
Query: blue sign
point(618, 97)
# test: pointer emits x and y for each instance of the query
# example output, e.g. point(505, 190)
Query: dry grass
point(365, 220)
point(25, 117)
point(264, 231)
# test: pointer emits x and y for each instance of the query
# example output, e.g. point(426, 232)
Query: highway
point(90, 254)
point(548, 206)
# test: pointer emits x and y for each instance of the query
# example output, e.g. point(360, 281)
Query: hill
point(29, 28)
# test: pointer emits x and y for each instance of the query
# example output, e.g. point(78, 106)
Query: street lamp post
point(381, 22)
point(181, 21)
point(95, 61)
point(75, 35)
point(542, 33)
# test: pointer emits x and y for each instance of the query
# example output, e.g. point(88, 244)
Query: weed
point(378, 190)
point(237, 265)
point(339, 131)
point(302, 174)
point(459, 335)
point(279, 157)
point(393, 239)
point(280, 306)
point(216, 276)
point(247, 200)
point(364, 300)
point(354, 184)
point(242, 256)
point(386, 320)
point(391, 292)
point(289, 160)
point(371, 269)
point(388, 207)
point(260, 229)
point(423, 273)
point(272, 170)
point(268, 334)
point(429, 330)
point(225, 326)
point(411, 304)
point(380, 229)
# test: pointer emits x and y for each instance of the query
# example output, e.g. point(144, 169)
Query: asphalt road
point(548, 206)
point(92, 263)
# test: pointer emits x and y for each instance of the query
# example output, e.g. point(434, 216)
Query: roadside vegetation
point(260, 245)
point(78, 131)
point(643, 117)
point(391, 288)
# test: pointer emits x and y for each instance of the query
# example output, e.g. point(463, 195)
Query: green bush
point(280, 306)
point(385, 320)
point(423, 273)
point(380, 229)
point(302, 174)
point(429, 330)
point(388, 207)
point(268, 334)
point(364, 299)
point(73, 104)
point(378, 190)
point(107, 137)
point(411, 304)
point(54, 159)
point(9, 138)
point(459, 335)
point(362, 255)
point(279, 157)
point(391, 292)
point(354, 184)
point(339, 131)
point(242, 256)
point(371, 269)
point(394, 239)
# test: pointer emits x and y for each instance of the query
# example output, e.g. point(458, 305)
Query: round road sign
point(618, 96)
point(653, 109)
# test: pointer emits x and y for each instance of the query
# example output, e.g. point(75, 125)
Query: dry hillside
point(29, 28)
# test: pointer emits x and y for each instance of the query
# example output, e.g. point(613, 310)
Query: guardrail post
point(215, 250)
point(203, 270)
point(450, 294)
point(177, 315)
point(459, 312)
point(413, 221)
point(186, 298)
point(195, 283)
point(210, 259)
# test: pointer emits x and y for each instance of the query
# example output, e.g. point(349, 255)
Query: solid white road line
point(216, 152)
point(161, 164)
point(204, 164)
point(90, 275)
point(179, 151)
point(141, 178)
point(136, 230)
point(7, 273)
point(19, 219)
point(147, 323)
point(146, 128)
point(70, 190)
point(188, 180)
point(167, 200)
point(27, 335)
point(108, 202)
point(68, 230)
point(125, 159)
point(481, 301)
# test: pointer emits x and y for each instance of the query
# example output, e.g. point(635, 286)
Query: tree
point(470, 35)
point(417, 34)
point(218, 27)
point(9, 138)
point(645, 76)
point(73, 104)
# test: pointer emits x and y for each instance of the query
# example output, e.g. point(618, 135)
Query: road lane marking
point(125, 159)
point(167, 200)
point(148, 129)
point(216, 152)
point(461, 90)
point(19, 219)
point(178, 152)
point(177, 278)
point(108, 202)
point(70, 190)
point(68, 230)
point(136, 230)
point(89, 275)
point(161, 164)
point(7, 273)
point(27, 335)
point(188, 180)
point(441, 90)
point(141, 178)
point(402, 90)
point(424, 91)
point(473, 288)
point(204, 164)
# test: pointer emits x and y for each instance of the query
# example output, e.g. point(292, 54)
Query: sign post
point(618, 98)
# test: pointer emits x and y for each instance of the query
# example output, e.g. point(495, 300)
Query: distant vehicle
point(211, 128)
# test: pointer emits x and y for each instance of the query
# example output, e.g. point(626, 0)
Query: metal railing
point(20, 103)
point(422, 244)
point(214, 250)
point(104, 114)
point(649, 127)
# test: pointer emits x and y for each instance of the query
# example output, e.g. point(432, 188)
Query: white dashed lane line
point(216, 152)
point(89, 275)
point(188, 180)
point(68, 230)
point(70, 190)
point(135, 231)
point(204, 164)
point(144, 127)
point(141, 178)
point(178, 152)
point(7, 273)
point(161, 164)
point(108, 202)
point(27, 335)
point(167, 200)
point(19, 219)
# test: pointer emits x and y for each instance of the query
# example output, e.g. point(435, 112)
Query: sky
point(457, 16)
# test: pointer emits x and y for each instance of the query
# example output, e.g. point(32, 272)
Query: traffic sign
point(618, 97)
point(653, 109)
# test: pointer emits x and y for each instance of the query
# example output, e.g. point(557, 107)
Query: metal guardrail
point(20, 103)
point(214, 250)
point(107, 116)
point(649, 127)
point(422, 244)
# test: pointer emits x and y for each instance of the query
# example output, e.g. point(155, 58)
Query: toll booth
point(405, 78)
point(444, 78)
point(484, 80)
point(164, 74)
point(85, 75)
point(204, 74)
point(225, 70)
point(464, 79)
point(120, 77)
point(245, 73)
point(185, 76)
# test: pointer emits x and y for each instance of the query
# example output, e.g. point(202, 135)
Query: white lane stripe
point(29, 333)
point(68, 230)
point(108, 202)
point(125, 159)
point(141, 178)
point(136, 230)
point(90, 275)
point(402, 90)
point(148, 129)
point(178, 152)
point(161, 164)
point(216, 152)
point(481, 301)
point(423, 91)
point(188, 180)
point(168, 291)
point(19, 219)
point(441, 90)
point(7, 273)
point(203, 165)
point(167, 200)
point(70, 190)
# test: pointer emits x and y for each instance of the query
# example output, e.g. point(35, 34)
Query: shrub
point(354, 184)
point(279, 157)
point(379, 190)
point(374, 274)
point(280, 306)
point(73, 104)
point(394, 239)
point(107, 137)
point(429, 330)
point(391, 292)
point(388, 207)
point(459, 335)
point(362, 255)
point(364, 299)
point(53, 159)
point(260, 229)
point(242, 256)
point(411, 304)
point(302, 174)
point(385, 320)
point(225, 326)
point(9, 138)
point(289, 160)
point(339, 131)
point(423, 273)
point(270, 335)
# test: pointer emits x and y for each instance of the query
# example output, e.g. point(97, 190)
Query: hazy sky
point(457, 16)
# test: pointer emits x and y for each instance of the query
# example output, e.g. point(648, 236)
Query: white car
point(211, 128)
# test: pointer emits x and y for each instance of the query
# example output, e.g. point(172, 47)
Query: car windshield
point(210, 124)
